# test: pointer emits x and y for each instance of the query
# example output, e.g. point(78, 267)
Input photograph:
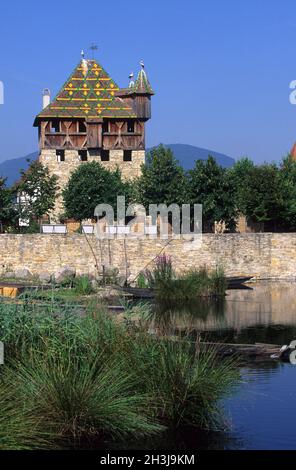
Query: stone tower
point(91, 118)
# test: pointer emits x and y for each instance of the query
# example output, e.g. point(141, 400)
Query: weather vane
point(93, 48)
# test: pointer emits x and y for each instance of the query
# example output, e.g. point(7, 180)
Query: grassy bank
point(72, 381)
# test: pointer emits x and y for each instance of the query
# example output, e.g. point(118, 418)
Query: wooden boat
point(237, 282)
point(257, 351)
point(138, 292)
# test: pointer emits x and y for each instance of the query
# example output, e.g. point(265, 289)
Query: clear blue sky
point(220, 69)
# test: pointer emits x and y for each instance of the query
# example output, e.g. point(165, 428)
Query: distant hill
point(10, 169)
point(186, 154)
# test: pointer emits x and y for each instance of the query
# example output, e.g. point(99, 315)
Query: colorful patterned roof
point(88, 93)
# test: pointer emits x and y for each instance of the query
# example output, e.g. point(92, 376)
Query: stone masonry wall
point(63, 170)
point(263, 255)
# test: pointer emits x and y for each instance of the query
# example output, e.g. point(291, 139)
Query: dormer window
point(55, 126)
point(131, 126)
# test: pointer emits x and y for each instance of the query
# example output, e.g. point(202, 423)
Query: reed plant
point(71, 379)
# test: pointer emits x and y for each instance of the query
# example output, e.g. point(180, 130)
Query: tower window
point(81, 126)
point(82, 155)
point(127, 155)
point(105, 156)
point(105, 126)
point(60, 155)
point(130, 126)
point(55, 126)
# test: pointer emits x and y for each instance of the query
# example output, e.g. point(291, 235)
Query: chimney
point(45, 97)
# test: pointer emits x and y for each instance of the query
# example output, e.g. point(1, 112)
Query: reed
point(71, 379)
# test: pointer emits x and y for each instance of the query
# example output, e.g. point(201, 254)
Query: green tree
point(210, 185)
point(89, 185)
point(287, 187)
point(262, 194)
point(7, 207)
point(163, 180)
point(238, 175)
point(37, 190)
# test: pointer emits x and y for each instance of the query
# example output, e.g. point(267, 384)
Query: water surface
point(261, 412)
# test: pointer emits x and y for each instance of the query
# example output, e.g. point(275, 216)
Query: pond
point(260, 413)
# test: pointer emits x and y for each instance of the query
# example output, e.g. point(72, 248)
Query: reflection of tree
point(177, 317)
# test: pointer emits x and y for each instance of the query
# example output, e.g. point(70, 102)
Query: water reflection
point(265, 314)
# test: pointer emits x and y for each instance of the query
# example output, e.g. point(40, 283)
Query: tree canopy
point(163, 180)
point(38, 190)
point(210, 185)
point(7, 207)
point(90, 185)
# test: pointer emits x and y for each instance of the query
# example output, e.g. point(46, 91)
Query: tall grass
point(69, 379)
point(78, 400)
point(192, 285)
point(186, 383)
point(83, 286)
point(186, 286)
point(19, 428)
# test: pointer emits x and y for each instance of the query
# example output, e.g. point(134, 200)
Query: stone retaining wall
point(263, 255)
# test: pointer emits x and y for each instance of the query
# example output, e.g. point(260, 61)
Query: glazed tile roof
point(88, 93)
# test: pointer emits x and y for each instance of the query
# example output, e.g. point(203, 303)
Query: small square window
point(105, 127)
point(105, 157)
point(82, 154)
point(127, 155)
point(81, 126)
point(131, 126)
point(60, 155)
point(55, 126)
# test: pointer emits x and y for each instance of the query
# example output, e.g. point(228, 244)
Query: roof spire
point(82, 54)
point(142, 84)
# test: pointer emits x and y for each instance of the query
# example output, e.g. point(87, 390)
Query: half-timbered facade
point(91, 118)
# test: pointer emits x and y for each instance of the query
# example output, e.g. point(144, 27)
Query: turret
point(138, 94)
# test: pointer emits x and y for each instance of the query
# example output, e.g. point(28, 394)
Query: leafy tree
point(89, 185)
point(210, 185)
point(38, 190)
point(287, 186)
point(238, 175)
point(7, 208)
point(163, 180)
point(262, 194)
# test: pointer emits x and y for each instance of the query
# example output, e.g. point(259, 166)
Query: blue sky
point(220, 69)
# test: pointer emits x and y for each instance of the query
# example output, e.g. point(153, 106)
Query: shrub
point(83, 285)
point(162, 271)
